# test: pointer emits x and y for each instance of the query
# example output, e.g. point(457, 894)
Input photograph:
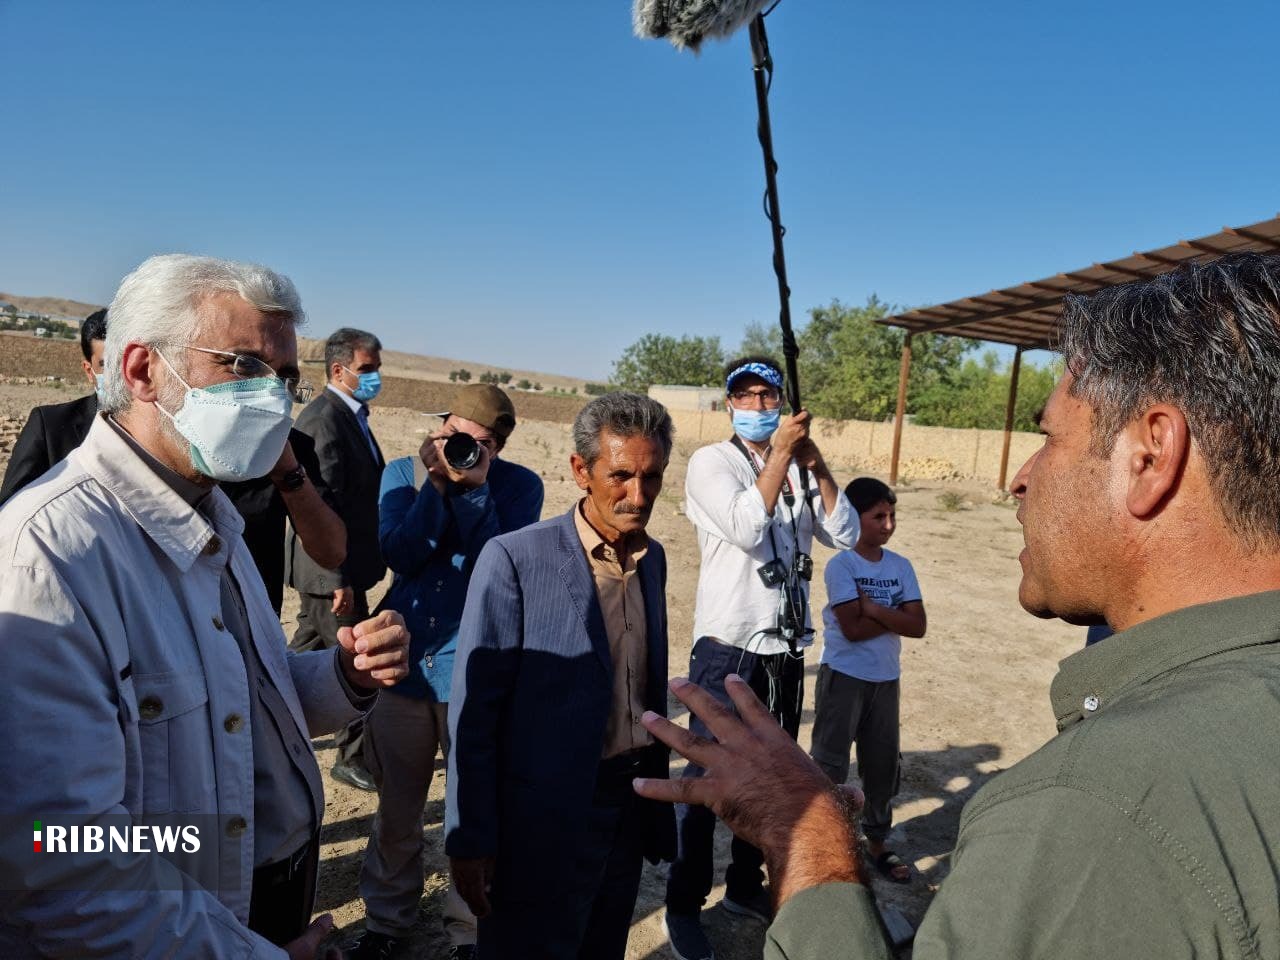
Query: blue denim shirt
point(431, 543)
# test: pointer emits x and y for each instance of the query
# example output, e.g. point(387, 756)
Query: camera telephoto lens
point(462, 451)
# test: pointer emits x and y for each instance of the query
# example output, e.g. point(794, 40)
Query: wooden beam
point(904, 370)
point(1126, 271)
point(1246, 234)
point(1203, 247)
point(1157, 258)
point(1008, 416)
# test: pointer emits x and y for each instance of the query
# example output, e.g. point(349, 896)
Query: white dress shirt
point(727, 510)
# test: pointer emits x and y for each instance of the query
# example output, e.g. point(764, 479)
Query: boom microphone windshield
point(686, 23)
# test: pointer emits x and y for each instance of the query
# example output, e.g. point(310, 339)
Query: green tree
point(849, 363)
point(658, 358)
point(453, 376)
point(596, 389)
point(464, 376)
point(523, 384)
point(504, 377)
point(976, 394)
point(537, 386)
point(760, 338)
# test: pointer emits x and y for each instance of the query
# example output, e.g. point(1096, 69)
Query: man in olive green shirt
point(1149, 827)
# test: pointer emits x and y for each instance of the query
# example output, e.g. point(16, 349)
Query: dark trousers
point(586, 913)
point(282, 895)
point(778, 680)
point(865, 712)
point(318, 630)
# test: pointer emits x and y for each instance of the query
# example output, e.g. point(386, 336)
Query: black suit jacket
point(352, 472)
point(51, 432)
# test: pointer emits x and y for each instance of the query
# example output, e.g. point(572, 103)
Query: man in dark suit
point(53, 431)
point(562, 648)
point(351, 468)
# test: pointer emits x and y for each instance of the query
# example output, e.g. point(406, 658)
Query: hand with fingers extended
point(375, 652)
point(760, 783)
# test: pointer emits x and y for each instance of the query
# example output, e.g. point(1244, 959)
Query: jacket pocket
point(173, 733)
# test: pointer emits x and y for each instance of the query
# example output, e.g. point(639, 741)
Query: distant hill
point(418, 367)
point(53, 306)
point(394, 362)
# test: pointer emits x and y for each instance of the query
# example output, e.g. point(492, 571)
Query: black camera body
point(772, 573)
point(462, 451)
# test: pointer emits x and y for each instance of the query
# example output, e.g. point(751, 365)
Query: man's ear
point(1156, 446)
point(581, 472)
point(139, 372)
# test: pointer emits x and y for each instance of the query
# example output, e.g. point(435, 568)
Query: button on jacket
point(1148, 828)
point(127, 695)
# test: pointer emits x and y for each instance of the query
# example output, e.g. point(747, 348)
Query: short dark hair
point(342, 345)
point(1206, 339)
point(865, 492)
point(760, 358)
point(93, 328)
point(624, 414)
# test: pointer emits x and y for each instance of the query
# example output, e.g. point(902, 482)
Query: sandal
point(888, 862)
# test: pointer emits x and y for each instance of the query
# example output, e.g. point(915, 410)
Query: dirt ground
point(974, 690)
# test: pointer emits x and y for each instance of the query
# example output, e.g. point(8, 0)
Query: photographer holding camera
point(436, 512)
point(756, 501)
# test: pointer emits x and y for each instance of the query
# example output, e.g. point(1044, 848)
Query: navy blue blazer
point(532, 690)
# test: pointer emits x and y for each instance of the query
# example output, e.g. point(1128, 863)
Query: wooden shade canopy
point(1026, 314)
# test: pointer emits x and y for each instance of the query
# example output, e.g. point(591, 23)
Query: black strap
point(787, 495)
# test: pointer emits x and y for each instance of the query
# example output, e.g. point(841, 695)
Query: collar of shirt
point(1093, 678)
point(188, 490)
point(602, 554)
point(355, 405)
point(181, 531)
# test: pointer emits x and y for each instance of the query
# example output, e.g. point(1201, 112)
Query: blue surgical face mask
point(237, 429)
point(99, 380)
point(756, 425)
point(368, 387)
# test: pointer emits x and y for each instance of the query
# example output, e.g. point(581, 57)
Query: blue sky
point(528, 185)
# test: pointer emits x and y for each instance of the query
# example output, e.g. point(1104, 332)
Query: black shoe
point(755, 905)
point(688, 940)
point(354, 773)
point(372, 945)
point(462, 951)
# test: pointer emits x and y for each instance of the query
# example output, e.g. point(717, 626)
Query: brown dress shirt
point(622, 604)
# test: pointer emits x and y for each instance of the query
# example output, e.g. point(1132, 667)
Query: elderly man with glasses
point(147, 681)
point(756, 501)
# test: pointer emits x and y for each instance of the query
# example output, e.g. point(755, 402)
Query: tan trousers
point(401, 736)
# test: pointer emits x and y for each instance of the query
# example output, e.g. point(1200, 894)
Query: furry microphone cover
point(686, 23)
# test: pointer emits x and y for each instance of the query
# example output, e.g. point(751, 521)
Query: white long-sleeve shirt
point(727, 510)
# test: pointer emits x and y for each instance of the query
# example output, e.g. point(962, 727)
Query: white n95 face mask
point(237, 429)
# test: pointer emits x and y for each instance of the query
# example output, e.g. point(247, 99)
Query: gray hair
point(342, 345)
point(158, 306)
point(623, 414)
point(1205, 338)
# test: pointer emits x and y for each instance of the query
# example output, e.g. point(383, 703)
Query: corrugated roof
point(1026, 315)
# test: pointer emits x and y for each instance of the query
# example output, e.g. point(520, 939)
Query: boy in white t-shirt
point(873, 601)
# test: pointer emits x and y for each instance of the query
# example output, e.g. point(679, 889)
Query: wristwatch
point(293, 480)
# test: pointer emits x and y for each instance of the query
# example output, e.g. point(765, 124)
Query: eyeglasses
point(768, 397)
point(248, 368)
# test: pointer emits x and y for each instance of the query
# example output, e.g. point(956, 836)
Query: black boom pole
point(762, 68)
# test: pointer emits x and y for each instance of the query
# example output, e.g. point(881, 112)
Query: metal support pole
point(1008, 416)
point(903, 372)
